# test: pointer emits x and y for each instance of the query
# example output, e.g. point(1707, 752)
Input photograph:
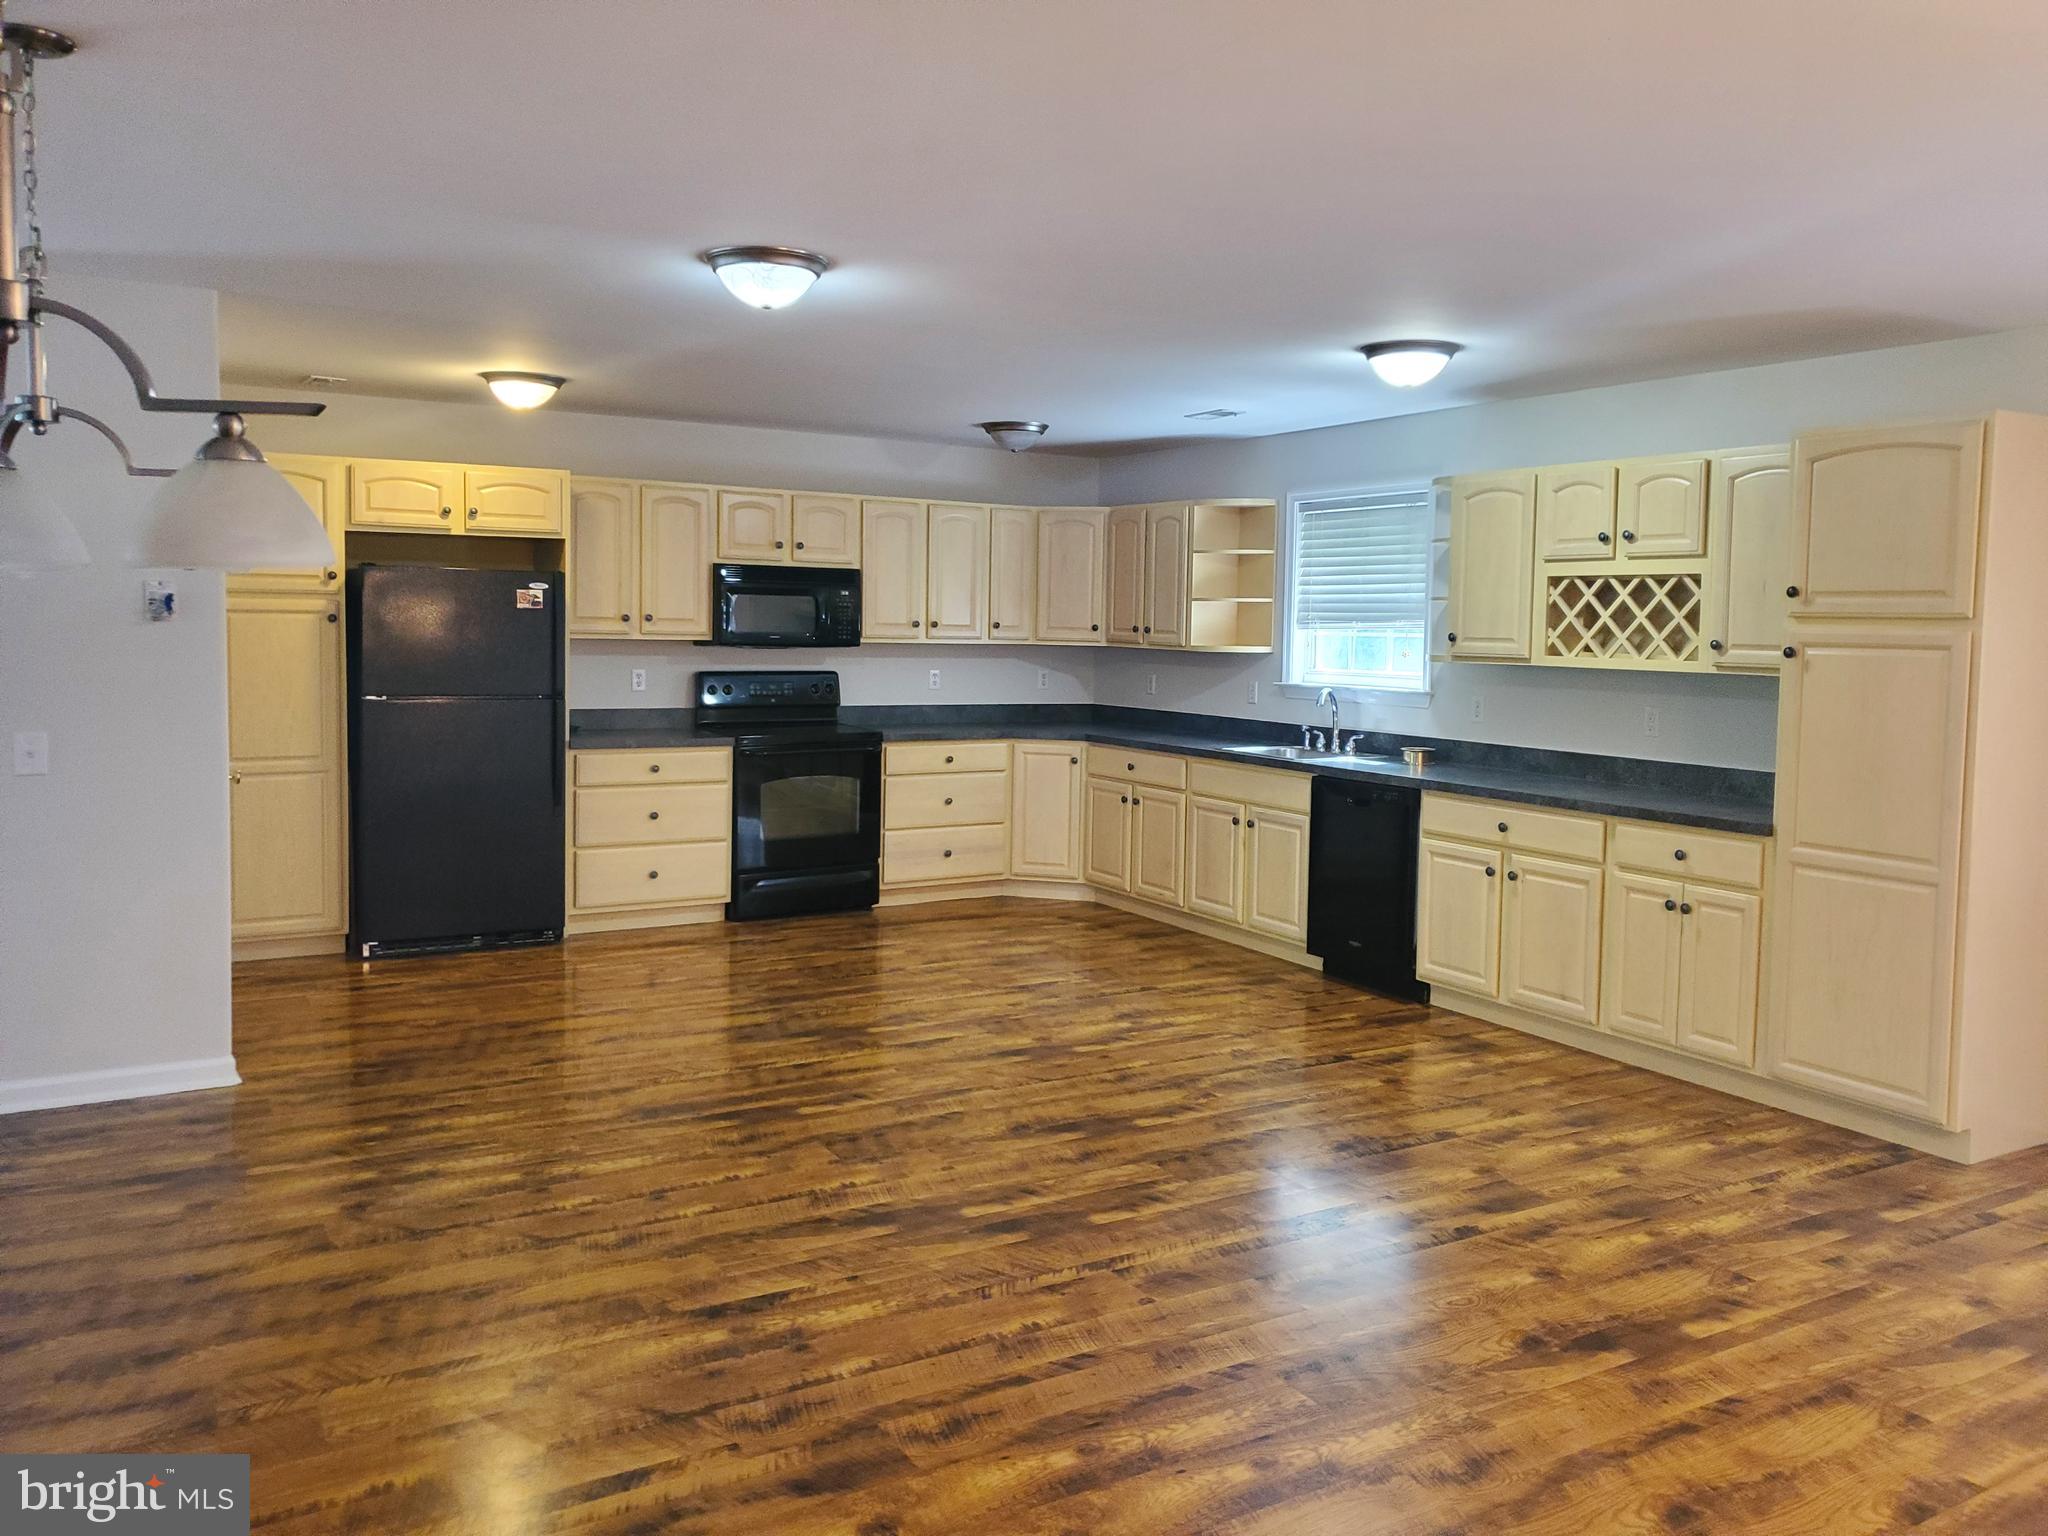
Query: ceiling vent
point(1219, 413)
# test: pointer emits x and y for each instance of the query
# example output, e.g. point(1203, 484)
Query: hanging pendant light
point(227, 510)
point(766, 276)
point(34, 535)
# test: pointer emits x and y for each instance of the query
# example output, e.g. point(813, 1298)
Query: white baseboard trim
point(25, 1093)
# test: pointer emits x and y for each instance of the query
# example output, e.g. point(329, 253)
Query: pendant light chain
point(33, 261)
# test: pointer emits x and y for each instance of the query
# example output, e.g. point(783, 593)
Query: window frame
point(1292, 664)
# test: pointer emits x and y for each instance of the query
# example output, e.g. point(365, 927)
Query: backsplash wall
point(601, 672)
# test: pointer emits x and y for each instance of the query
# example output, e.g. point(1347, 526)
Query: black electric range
point(806, 793)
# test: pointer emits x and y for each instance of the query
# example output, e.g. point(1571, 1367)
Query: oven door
point(806, 809)
point(754, 605)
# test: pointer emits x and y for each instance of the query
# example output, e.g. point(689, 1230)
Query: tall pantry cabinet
point(1908, 971)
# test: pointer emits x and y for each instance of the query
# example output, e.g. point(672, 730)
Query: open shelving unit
point(1232, 557)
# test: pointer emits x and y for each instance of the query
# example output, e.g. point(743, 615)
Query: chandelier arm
point(145, 388)
point(69, 413)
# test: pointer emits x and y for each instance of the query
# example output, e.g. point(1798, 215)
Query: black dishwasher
point(1361, 884)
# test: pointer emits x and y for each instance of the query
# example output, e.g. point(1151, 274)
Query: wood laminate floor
point(1004, 1219)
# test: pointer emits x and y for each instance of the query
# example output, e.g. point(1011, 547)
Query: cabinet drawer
point(945, 756)
point(914, 855)
point(666, 874)
point(945, 799)
point(668, 813)
point(1139, 767)
point(1515, 826)
point(1277, 787)
point(688, 765)
point(1686, 853)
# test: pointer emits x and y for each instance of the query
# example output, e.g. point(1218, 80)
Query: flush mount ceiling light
point(227, 509)
point(1406, 364)
point(522, 391)
point(766, 276)
point(1013, 435)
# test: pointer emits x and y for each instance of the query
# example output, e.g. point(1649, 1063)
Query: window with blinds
point(1358, 609)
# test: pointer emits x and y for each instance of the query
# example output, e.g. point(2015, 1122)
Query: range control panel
point(805, 693)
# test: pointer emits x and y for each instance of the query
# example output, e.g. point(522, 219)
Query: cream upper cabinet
point(754, 527)
point(1871, 730)
point(1276, 873)
point(604, 543)
point(394, 495)
point(324, 485)
point(956, 579)
point(1575, 512)
point(1493, 526)
point(1045, 810)
point(516, 501)
point(285, 794)
point(1750, 511)
point(1165, 620)
point(1642, 957)
point(1012, 572)
point(1158, 842)
point(1071, 574)
point(675, 561)
point(1661, 506)
point(1215, 875)
point(892, 561)
point(1550, 937)
point(1126, 537)
point(1885, 521)
point(1719, 952)
point(824, 530)
point(1457, 917)
point(1108, 833)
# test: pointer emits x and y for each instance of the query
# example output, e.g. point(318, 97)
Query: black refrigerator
point(455, 755)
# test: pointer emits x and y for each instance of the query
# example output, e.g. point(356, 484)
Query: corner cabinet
point(1493, 531)
point(1046, 810)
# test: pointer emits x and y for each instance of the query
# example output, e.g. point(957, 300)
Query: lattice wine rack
point(1623, 617)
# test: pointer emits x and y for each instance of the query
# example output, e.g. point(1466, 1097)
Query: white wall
point(642, 448)
point(1728, 721)
point(114, 948)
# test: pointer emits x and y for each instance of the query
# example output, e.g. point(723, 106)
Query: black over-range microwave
point(784, 605)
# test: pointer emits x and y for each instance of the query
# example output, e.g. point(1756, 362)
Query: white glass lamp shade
point(766, 276)
point(34, 535)
point(233, 514)
point(523, 391)
point(1409, 364)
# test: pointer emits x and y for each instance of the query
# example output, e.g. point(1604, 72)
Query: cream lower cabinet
point(1247, 840)
point(1457, 917)
point(1159, 819)
point(1137, 822)
point(1106, 837)
point(945, 812)
point(650, 835)
point(1682, 962)
point(1550, 937)
point(1216, 860)
point(1046, 810)
point(286, 794)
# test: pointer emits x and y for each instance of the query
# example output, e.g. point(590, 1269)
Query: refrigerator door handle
point(560, 747)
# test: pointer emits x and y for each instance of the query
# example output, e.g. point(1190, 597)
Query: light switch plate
point(31, 752)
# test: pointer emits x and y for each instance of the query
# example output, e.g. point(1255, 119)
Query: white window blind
point(1359, 609)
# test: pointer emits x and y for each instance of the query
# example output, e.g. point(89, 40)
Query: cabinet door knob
point(1713, 645)
point(1604, 536)
point(1134, 629)
point(1489, 871)
point(334, 618)
point(1678, 854)
point(1670, 905)
point(1233, 821)
point(234, 775)
point(330, 576)
point(799, 544)
point(625, 618)
point(1500, 826)
point(778, 543)
point(1148, 629)
point(1251, 823)
point(1452, 637)
point(917, 623)
point(1514, 874)
point(949, 853)
point(447, 511)
point(1094, 628)
point(1073, 760)
point(1124, 799)
point(1628, 535)
point(1792, 591)
point(995, 623)
point(472, 514)
point(1135, 800)
point(1684, 908)
point(1791, 650)
point(949, 799)
point(647, 618)
point(654, 815)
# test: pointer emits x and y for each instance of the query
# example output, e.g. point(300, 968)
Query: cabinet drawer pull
point(1670, 905)
point(1501, 826)
point(654, 874)
point(1678, 854)
point(654, 767)
point(949, 757)
point(949, 853)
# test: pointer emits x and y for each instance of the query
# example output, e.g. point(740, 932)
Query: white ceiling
point(1103, 213)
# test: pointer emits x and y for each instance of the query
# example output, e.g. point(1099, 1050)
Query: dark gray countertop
point(1725, 800)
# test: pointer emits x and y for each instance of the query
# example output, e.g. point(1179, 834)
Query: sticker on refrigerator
point(531, 597)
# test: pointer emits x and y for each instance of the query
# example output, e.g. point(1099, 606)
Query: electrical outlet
point(639, 679)
point(1653, 722)
point(1251, 693)
point(1044, 677)
point(1151, 682)
point(935, 678)
point(1478, 707)
point(31, 752)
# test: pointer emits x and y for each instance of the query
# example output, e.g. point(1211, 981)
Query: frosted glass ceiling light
point(522, 391)
point(228, 510)
point(766, 276)
point(1013, 435)
point(1407, 364)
